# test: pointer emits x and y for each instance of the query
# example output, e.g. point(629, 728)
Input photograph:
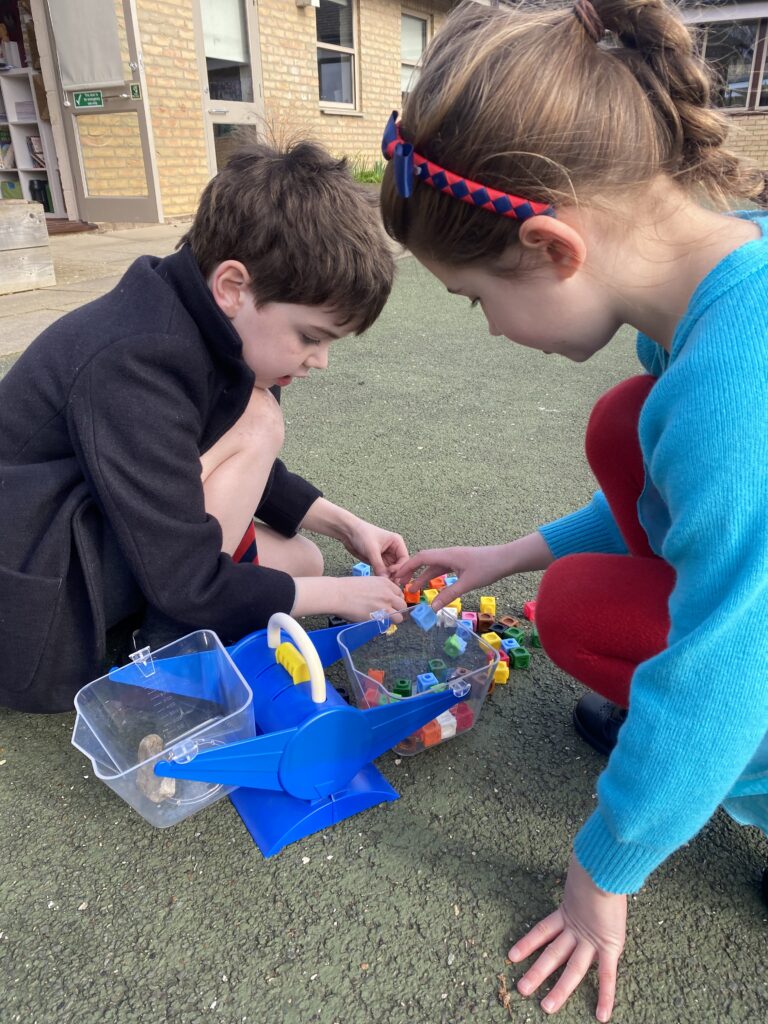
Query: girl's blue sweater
point(699, 710)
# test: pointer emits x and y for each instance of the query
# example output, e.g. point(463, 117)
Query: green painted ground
point(402, 915)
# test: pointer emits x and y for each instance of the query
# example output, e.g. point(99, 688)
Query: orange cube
point(411, 596)
point(377, 674)
point(431, 734)
point(437, 583)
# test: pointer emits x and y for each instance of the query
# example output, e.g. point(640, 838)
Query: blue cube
point(450, 580)
point(423, 616)
point(509, 645)
point(361, 569)
point(426, 681)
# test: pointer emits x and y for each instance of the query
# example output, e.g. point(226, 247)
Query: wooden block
point(22, 225)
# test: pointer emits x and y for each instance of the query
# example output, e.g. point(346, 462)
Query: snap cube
point(519, 658)
point(426, 681)
point(509, 644)
point(501, 674)
point(529, 610)
point(488, 605)
point(361, 569)
point(423, 616)
point(493, 639)
point(438, 668)
point(463, 715)
point(454, 646)
point(447, 724)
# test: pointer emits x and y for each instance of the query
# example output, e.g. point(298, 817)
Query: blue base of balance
point(276, 819)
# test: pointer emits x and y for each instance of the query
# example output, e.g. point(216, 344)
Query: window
point(336, 53)
point(413, 41)
point(729, 48)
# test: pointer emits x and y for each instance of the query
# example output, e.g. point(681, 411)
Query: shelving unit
point(20, 119)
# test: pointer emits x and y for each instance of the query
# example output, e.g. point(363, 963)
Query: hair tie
point(410, 166)
point(589, 19)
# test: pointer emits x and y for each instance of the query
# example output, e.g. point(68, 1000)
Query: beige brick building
point(137, 102)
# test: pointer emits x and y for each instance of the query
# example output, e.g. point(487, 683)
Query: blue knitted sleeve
point(699, 709)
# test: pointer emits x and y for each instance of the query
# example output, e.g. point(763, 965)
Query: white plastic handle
point(306, 648)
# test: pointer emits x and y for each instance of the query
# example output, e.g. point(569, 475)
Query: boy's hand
point(381, 549)
point(350, 597)
point(590, 925)
point(358, 596)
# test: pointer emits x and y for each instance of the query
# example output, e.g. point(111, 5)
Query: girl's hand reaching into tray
point(475, 567)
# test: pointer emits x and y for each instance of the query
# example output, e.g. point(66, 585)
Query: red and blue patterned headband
point(410, 165)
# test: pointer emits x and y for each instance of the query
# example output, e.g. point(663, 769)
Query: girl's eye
point(309, 341)
point(474, 302)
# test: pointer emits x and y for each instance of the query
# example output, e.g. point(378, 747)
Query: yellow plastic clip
point(293, 663)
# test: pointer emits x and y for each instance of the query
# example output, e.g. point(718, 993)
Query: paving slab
point(403, 914)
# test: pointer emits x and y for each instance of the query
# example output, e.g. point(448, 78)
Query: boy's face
point(282, 341)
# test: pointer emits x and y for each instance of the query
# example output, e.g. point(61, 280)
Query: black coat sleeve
point(135, 422)
point(287, 499)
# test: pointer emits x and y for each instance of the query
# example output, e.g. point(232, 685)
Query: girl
point(553, 177)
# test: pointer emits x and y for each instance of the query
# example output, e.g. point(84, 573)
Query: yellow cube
point(493, 639)
point(430, 595)
point(293, 662)
point(455, 604)
point(488, 605)
point(501, 675)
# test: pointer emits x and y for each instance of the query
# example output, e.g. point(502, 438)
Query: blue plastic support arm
point(254, 762)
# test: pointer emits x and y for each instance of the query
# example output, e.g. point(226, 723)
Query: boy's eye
point(309, 341)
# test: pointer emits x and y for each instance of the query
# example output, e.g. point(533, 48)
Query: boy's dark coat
point(105, 416)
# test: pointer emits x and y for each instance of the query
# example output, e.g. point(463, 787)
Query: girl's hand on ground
point(590, 925)
point(381, 549)
point(356, 597)
point(474, 567)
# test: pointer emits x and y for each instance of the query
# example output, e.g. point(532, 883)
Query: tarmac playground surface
point(402, 914)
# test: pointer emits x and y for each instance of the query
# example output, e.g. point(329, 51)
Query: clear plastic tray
point(184, 698)
point(405, 653)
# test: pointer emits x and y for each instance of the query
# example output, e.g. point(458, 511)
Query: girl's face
point(542, 307)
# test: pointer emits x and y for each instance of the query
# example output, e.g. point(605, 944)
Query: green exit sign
point(91, 98)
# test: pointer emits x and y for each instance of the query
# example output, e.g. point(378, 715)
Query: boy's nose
point(319, 360)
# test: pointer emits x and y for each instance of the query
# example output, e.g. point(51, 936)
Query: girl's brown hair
point(522, 99)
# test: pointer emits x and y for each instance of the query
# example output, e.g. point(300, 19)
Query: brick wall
point(749, 137)
point(288, 38)
point(111, 151)
point(174, 96)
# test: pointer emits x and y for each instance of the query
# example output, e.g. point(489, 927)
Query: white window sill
point(341, 111)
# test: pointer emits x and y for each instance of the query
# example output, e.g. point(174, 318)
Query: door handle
point(218, 110)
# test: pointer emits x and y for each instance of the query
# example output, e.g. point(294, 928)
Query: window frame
point(429, 22)
point(702, 19)
point(328, 106)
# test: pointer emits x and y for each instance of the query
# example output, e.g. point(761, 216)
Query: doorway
point(100, 75)
point(231, 74)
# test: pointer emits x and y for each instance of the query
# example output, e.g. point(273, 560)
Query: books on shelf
point(10, 190)
point(25, 110)
point(7, 159)
point(35, 147)
point(40, 192)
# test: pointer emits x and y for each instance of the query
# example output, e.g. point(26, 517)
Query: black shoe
point(598, 721)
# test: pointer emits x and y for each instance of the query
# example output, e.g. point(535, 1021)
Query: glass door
point(232, 93)
point(101, 77)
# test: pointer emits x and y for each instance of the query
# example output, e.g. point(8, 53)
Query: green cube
point(519, 657)
point(402, 688)
point(513, 633)
point(453, 646)
point(438, 668)
point(535, 641)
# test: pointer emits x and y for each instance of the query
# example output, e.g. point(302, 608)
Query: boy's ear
point(227, 282)
point(561, 244)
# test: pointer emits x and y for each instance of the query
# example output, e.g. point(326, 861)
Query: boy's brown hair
point(524, 100)
point(304, 230)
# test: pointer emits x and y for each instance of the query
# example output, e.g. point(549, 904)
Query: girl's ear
point(228, 282)
point(561, 244)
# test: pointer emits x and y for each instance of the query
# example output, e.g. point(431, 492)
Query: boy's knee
point(262, 422)
point(310, 555)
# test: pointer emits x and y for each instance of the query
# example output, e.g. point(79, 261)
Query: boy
point(138, 434)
